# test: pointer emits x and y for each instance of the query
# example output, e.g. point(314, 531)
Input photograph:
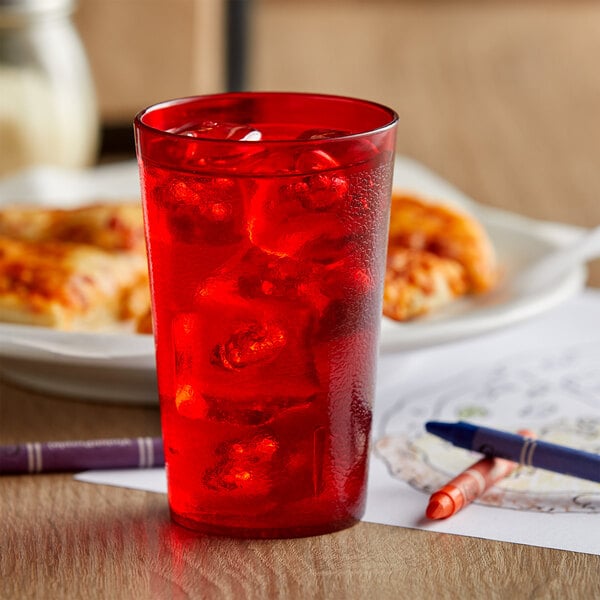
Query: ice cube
point(298, 282)
point(295, 160)
point(246, 360)
point(357, 151)
point(219, 131)
point(188, 400)
point(297, 217)
point(348, 277)
point(189, 404)
point(206, 145)
point(322, 134)
point(309, 215)
point(324, 189)
point(264, 275)
point(202, 209)
point(245, 464)
point(353, 297)
point(314, 160)
point(257, 448)
point(253, 342)
point(282, 461)
point(354, 150)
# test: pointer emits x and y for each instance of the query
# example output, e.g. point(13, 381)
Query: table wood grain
point(503, 100)
point(65, 539)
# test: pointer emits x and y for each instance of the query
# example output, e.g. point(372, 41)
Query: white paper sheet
point(542, 375)
point(148, 480)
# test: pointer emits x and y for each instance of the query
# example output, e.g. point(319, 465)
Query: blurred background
point(502, 98)
point(502, 81)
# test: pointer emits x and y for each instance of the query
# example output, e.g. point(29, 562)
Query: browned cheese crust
point(81, 270)
point(116, 226)
point(436, 254)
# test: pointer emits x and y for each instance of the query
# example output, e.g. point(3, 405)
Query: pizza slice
point(70, 286)
point(111, 226)
point(417, 282)
point(446, 232)
point(435, 254)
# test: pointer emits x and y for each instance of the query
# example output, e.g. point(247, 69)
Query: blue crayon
point(519, 449)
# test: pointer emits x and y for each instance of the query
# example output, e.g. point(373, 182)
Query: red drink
point(267, 248)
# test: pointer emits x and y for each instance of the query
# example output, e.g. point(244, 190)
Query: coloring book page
point(543, 376)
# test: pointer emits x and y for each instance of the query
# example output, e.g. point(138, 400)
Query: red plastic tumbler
point(266, 221)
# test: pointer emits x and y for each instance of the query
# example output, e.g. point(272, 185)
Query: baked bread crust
point(78, 270)
point(417, 282)
point(436, 253)
point(108, 226)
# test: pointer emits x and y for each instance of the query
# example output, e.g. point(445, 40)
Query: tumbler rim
point(386, 125)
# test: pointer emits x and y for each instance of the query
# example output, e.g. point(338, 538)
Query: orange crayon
point(469, 485)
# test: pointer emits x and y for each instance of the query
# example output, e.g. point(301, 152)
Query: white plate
point(519, 241)
point(120, 367)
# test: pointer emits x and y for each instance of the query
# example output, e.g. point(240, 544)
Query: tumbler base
point(263, 532)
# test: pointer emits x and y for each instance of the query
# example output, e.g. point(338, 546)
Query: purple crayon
point(47, 457)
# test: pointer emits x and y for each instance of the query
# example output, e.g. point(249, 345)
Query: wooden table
point(502, 99)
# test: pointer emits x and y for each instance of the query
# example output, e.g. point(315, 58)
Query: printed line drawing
point(556, 394)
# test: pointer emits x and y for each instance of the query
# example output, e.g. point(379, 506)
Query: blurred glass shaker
point(48, 113)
